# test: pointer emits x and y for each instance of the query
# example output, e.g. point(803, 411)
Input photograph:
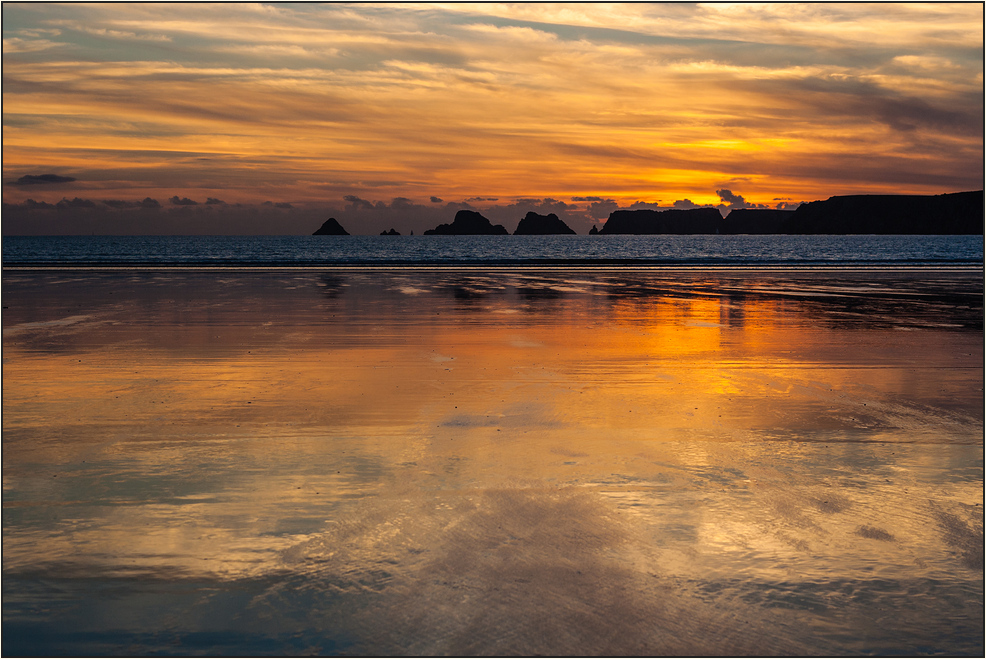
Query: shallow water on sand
point(513, 462)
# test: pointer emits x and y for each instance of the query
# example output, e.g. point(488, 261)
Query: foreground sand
point(439, 462)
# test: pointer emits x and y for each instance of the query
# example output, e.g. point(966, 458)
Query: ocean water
point(464, 251)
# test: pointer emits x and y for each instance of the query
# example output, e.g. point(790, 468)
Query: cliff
point(955, 213)
point(755, 221)
point(468, 223)
point(696, 220)
point(542, 225)
point(331, 227)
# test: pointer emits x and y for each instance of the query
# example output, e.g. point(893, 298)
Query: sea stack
point(468, 223)
point(542, 225)
point(331, 227)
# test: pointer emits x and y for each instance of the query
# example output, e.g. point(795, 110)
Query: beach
point(493, 461)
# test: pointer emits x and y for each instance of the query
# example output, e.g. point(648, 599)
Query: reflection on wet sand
point(415, 462)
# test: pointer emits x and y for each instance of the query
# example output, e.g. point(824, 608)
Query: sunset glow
point(326, 107)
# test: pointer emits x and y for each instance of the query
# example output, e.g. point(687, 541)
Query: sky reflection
point(633, 464)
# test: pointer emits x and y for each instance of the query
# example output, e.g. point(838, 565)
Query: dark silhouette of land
point(542, 225)
point(696, 220)
point(959, 213)
point(755, 221)
point(331, 227)
point(468, 223)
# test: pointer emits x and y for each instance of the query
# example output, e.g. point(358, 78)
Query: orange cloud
point(638, 102)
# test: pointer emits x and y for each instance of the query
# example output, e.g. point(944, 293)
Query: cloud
point(356, 203)
point(17, 45)
point(117, 203)
point(393, 101)
point(117, 34)
point(184, 201)
point(145, 204)
point(83, 216)
point(210, 201)
point(75, 203)
point(731, 201)
point(29, 205)
point(645, 205)
point(44, 179)
point(601, 208)
point(358, 215)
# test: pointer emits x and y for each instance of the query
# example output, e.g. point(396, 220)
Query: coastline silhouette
point(957, 213)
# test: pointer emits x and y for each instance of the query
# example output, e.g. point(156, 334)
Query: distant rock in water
point(755, 221)
point(956, 213)
point(695, 220)
point(392, 232)
point(331, 228)
point(542, 225)
point(593, 231)
point(468, 223)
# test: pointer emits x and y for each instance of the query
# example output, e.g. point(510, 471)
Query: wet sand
point(510, 462)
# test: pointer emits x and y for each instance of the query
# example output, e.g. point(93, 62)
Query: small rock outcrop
point(648, 222)
point(468, 223)
point(331, 227)
point(593, 231)
point(542, 225)
point(392, 232)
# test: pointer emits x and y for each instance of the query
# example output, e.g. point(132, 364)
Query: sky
point(269, 118)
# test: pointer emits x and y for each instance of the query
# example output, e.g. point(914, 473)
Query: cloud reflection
point(566, 462)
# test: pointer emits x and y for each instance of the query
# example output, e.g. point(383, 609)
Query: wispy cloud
point(627, 103)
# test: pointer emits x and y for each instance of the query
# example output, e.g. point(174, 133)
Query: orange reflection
point(542, 426)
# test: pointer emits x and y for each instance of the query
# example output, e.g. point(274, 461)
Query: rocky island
point(330, 227)
point(542, 225)
point(468, 223)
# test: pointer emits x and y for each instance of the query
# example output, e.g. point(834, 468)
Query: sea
point(492, 445)
point(691, 251)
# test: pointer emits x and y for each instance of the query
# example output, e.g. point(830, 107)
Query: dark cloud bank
point(184, 216)
point(43, 179)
